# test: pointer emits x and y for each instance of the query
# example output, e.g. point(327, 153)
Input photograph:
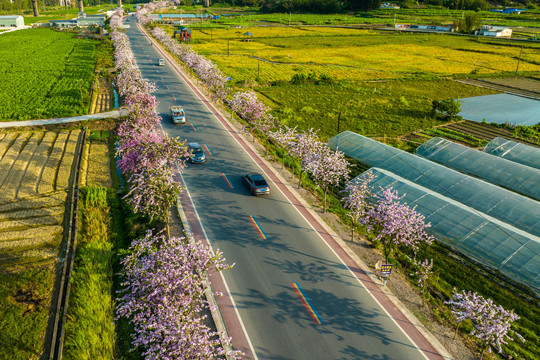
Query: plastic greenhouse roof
point(511, 175)
point(514, 151)
point(494, 243)
point(514, 209)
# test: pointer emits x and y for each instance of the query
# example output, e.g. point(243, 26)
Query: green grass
point(24, 305)
point(43, 74)
point(456, 135)
point(90, 329)
point(373, 109)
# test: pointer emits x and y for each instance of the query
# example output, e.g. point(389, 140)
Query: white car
point(161, 62)
point(178, 115)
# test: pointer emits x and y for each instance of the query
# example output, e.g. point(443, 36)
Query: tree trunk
point(81, 6)
point(119, 3)
point(324, 207)
point(457, 328)
point(35, 7)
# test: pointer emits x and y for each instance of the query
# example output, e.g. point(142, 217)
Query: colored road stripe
point(226, 178)
point(174, 97)
point(307, 304)
point(167, 86)
point(258, 227)
point(162, 78)
point(208, 149)
point(193, 127)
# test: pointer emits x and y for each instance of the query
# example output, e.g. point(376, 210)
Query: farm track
point(484, 132)
point(61, 298)
point(103, 97)
point(531, 91)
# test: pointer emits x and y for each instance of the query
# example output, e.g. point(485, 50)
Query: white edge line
point(220, 273)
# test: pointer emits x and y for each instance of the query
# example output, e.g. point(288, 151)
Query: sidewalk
point(66, 120)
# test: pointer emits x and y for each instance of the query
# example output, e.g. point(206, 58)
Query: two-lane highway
point(296, 299)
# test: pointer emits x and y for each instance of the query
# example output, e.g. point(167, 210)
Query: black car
point(256, 183)
point(198, 156)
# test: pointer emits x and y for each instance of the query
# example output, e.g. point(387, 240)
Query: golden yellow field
point(355, 54)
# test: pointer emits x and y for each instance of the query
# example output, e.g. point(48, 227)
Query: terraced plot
point(35, 170)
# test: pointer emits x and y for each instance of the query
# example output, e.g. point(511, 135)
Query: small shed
point(249, 36)
point(11, 21)
point(495, 31)
point(183, 32)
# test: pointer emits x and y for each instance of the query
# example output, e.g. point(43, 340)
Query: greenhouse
point(496, 244)
point(504, 205)
point(511, 175)
point(514, 151)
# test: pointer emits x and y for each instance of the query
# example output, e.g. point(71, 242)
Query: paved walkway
point(66, 120)
point(15, 29)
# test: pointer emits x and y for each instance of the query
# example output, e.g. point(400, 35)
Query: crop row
point(45, 72)
point(35, 163)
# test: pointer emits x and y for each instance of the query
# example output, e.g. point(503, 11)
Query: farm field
point(379, 17)
point(382, 83)
point(44, 74)
point(35, 168)
point(350, 52)
point(56, 13)
point(96, 164)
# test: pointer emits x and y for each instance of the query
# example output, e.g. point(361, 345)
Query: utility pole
point(520, 51)
point(35, 7)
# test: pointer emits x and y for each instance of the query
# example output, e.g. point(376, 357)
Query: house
point(509, 11)
point(183, 32)
point(413, 27)
point(495, 31)
point(389, 6)
point(11, 21)
point(83, 20)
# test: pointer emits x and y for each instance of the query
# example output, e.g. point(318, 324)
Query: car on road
point(161, 62)
point(198, 153)
point(178, 115)
point(256, 183)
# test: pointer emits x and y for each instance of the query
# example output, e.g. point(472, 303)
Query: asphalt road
point(273, 247)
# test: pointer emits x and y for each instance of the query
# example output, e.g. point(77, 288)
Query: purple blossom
point(395, 224)
point(492, 323)
point(163, 297)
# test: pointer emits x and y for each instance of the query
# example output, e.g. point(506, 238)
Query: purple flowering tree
point(357, 192)
point(424, 269)
point(492, 323)
point(327, 167)
point(395, 224)
point(153, 191)
point(163, 297)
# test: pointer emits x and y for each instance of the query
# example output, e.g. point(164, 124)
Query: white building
point(11, 21)
point(495, 31)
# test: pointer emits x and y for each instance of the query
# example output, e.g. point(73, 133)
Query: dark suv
point(198, 153)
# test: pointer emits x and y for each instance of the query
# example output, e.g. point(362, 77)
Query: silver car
point(256, 184)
